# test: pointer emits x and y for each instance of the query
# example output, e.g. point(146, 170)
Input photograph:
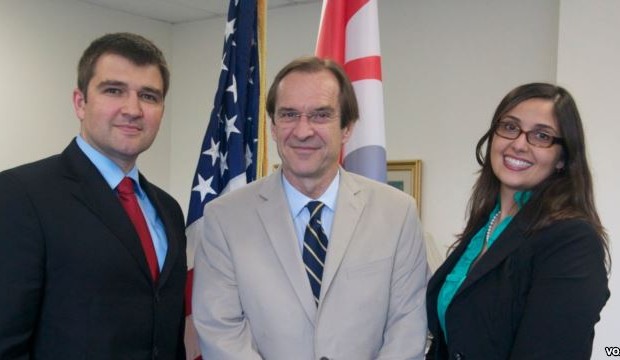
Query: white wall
point(40, 45)
point(446, 66)
point(589, 56)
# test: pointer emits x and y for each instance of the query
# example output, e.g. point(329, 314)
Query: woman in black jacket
point(527, 278)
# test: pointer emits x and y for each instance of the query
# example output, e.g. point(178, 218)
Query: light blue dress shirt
point(301, 215)
point(457, 276)
point(113, 176)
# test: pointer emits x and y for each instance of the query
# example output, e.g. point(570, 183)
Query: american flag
point(228, 156)
point(349, 35)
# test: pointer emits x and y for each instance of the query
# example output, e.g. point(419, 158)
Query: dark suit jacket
point(529, 297)
point(74, 282)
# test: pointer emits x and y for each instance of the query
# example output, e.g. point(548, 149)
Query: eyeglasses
point(537, 137)
point(318, 117)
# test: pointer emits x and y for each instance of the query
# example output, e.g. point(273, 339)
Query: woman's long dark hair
point(566, 194)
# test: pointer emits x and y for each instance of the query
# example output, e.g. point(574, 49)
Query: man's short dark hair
point(133, 47)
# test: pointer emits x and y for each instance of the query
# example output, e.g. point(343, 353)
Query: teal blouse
point(459, 273)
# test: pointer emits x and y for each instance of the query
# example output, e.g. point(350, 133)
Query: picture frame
point(406, 175)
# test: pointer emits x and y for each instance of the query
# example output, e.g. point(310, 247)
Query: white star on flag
point(213, 151)
point(223, 67)
point(233, 88)
point(251, 72)
point(230, 28)
point(248, 156)
point(223, 163)
point(230, 127)
point(204, 187)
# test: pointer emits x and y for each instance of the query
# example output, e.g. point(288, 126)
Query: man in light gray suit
point(311, 262)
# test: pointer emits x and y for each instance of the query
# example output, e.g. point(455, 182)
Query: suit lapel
point(173, 242)
point(509, 240)
point(435, 284)
point(90, 188)
point(349, 207)
point(272, 210)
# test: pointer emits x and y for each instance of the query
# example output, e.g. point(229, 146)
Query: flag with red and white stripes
point(349, 35)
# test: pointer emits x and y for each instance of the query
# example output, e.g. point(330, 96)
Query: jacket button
point(324, 358)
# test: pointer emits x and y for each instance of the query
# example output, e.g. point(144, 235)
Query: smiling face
point(309, 150)
point(517, 164)
point(123, 111)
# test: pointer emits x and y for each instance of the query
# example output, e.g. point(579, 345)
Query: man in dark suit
point(80, 278)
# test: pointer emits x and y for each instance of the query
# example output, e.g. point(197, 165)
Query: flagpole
point(261, 158)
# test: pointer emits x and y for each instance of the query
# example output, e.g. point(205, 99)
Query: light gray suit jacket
point(251, 295)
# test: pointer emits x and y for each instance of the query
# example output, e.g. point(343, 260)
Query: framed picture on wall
point(406, 175)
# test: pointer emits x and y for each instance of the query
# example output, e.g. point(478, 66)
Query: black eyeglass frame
point(555, 140)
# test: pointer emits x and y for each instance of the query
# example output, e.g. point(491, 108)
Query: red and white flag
point(349, 35)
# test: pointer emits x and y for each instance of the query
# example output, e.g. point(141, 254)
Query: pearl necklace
point(487, 236)
point(490, 229)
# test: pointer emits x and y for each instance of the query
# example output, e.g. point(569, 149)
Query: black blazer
point(74, 282)
point(528, 297)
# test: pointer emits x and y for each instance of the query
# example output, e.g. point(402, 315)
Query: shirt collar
point(111, 172)
point(522, 197)
point(298, 201)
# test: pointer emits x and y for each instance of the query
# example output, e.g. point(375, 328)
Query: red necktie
point(129, 201)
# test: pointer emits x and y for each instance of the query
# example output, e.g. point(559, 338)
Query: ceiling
point(181, 11)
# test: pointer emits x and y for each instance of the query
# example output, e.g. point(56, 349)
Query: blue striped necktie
point(315, 248)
